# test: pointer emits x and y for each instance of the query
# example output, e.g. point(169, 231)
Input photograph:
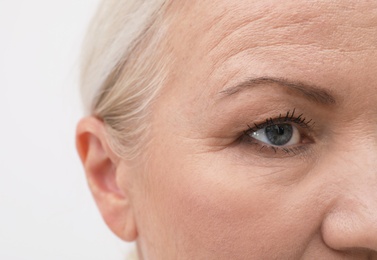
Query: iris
point(279, 134)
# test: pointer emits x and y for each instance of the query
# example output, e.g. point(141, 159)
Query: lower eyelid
point(264, 150)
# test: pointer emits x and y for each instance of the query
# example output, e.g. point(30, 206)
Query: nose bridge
point(358, 160)
point(352, 220)
point(356, 169)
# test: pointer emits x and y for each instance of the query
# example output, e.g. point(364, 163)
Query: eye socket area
point(290, 134)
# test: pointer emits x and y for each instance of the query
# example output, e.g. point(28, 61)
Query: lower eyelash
point(276, 150)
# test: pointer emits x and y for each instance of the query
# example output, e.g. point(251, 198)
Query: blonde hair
point(122, 70)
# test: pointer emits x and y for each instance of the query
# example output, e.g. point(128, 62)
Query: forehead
point(215, 43)
point(276, 22)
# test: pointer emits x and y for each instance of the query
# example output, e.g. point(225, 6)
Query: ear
point(101, 166)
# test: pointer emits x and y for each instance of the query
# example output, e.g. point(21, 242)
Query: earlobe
point(101, 167)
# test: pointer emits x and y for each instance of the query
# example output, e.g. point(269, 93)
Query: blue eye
point(277, 135)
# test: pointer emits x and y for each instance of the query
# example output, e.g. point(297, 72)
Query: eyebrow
point(311, 92)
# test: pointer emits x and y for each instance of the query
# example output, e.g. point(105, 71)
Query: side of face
point(211, 185)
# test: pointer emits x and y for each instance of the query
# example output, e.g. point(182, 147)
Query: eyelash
point(300, 121)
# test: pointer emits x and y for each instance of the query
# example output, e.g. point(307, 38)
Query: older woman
point(234, 129)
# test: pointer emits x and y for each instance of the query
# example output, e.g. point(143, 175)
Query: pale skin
point(205, 187)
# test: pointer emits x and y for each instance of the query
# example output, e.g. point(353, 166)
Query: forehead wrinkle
point(228, 31)
point(269, 27)
point(230, 47)
point(257, 20)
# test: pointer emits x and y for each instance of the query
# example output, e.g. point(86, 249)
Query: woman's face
point(264, 139)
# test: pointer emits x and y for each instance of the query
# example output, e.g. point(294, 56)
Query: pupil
point(279, 134)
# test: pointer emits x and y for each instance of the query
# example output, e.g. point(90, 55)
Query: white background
point(46, 210)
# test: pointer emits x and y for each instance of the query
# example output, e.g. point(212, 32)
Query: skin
point(202, 189)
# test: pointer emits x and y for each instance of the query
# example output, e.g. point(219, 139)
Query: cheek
point(212, 208)
point(216, 216)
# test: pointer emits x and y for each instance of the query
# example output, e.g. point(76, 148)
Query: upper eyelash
point(289, 117)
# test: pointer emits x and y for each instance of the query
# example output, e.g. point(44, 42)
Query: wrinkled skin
point(204, 189)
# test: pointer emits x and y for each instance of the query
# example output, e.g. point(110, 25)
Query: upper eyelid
point(300, 121)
